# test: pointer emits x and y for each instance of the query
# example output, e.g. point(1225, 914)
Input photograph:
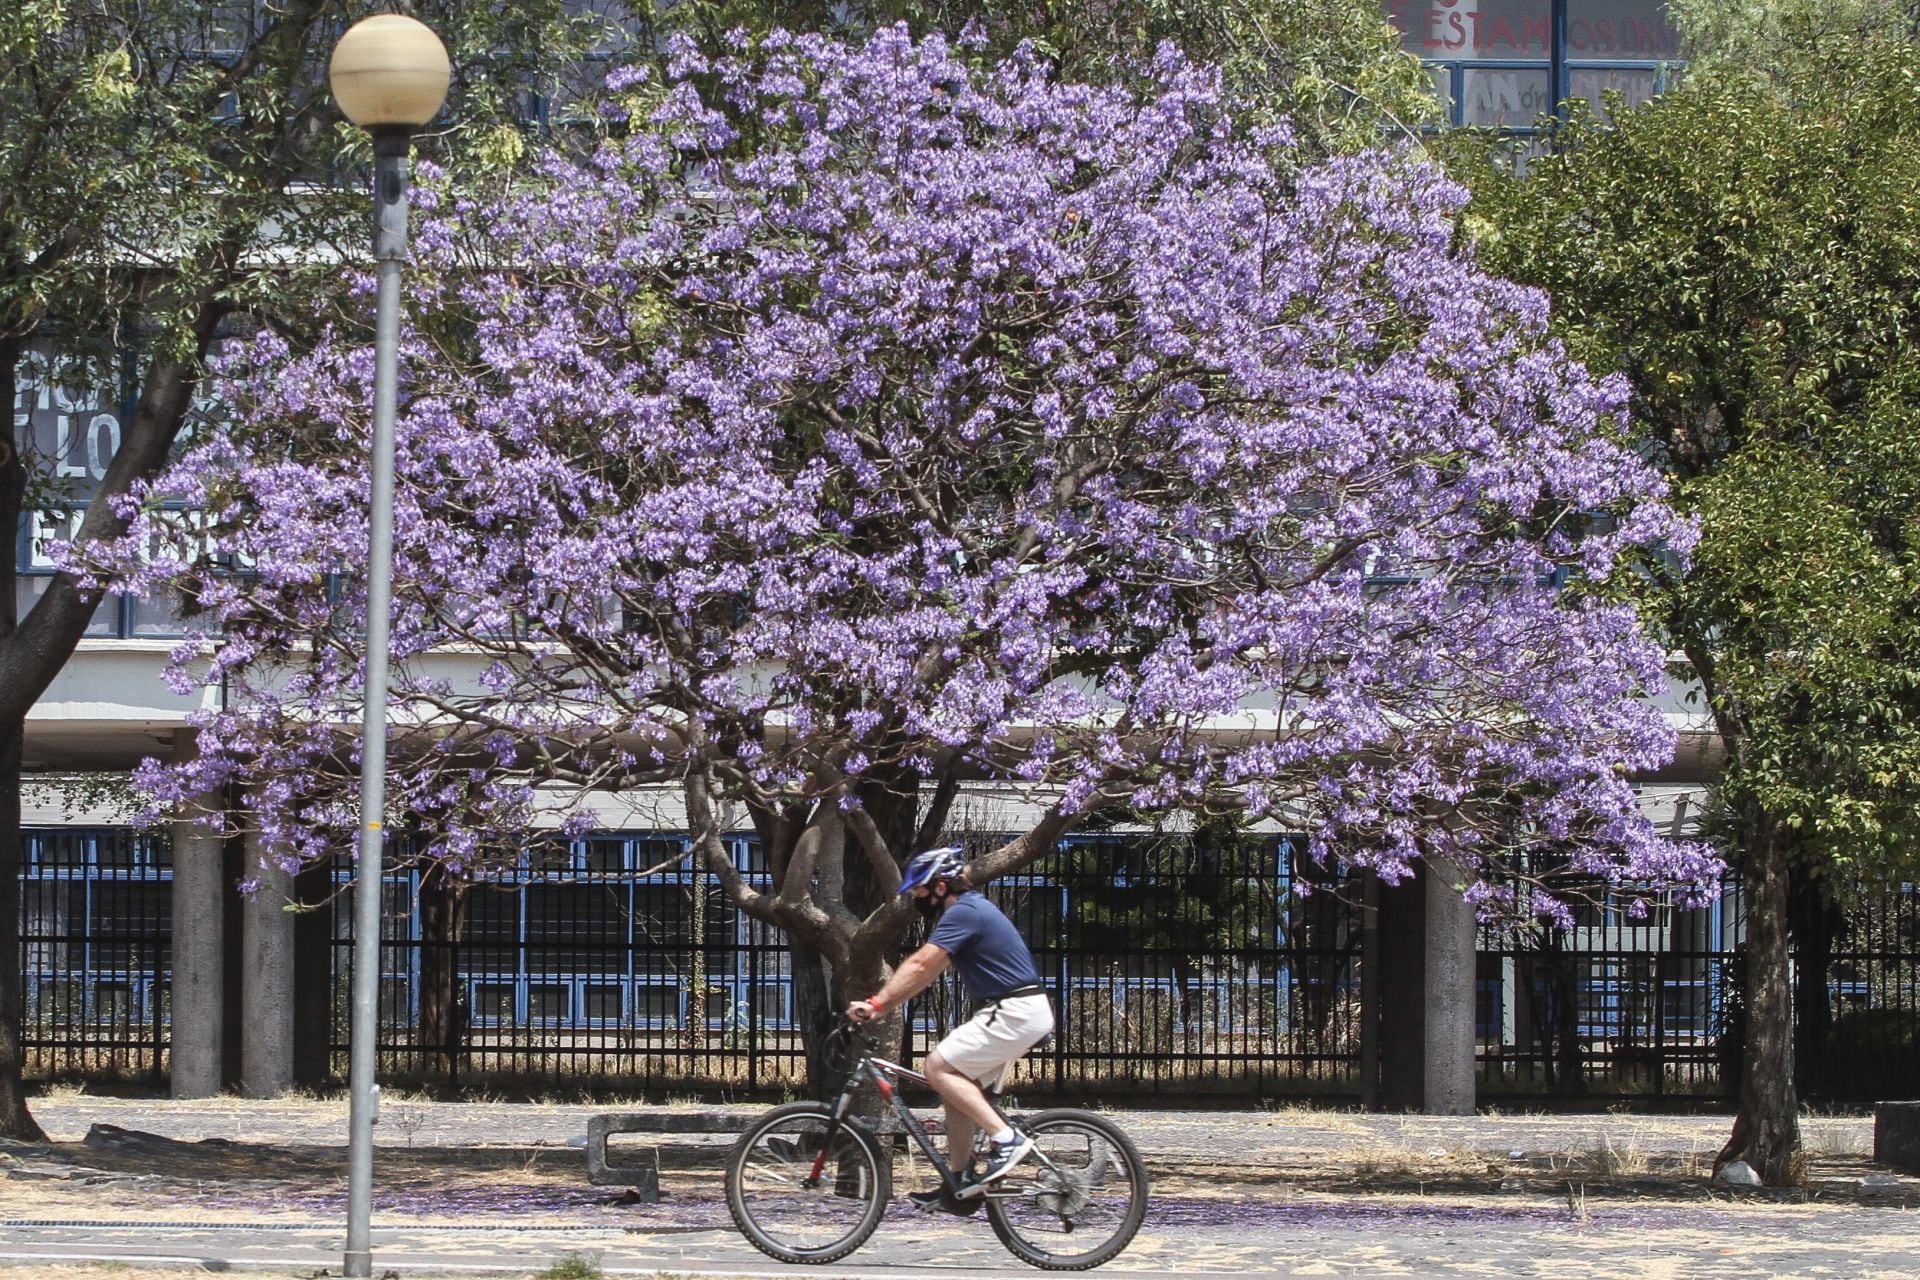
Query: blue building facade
point(1505, 64)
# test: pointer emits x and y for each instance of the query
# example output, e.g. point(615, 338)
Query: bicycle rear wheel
point(1078, 1200)
point(768, 1193)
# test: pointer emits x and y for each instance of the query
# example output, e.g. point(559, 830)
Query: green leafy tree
point(1747, 250)
point(170, 172)
point(1771, 41)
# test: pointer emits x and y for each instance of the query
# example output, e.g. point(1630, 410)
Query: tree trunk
point(1569, 1064)
point(845, 911)
point(1814, 922)
point(443, 911)
point(1316, 949)
point(891, 797)
point(1766, 1130)
point(15, 1120)
point(34, 649)
point(820, 993)
point(818, 999)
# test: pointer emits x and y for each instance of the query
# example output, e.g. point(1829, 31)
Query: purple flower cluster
point(855, 410)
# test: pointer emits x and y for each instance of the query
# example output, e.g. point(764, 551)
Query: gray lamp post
point(389, 74)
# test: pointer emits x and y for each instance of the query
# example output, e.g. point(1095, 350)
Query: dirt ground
point(1522, 1194)
point(466, 1162)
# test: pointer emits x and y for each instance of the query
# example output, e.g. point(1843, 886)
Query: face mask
point(929, 908)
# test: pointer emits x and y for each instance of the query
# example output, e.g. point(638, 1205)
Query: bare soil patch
point(478, 1163)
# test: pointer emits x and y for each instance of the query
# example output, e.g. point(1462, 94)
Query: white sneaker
point(1001, 1161)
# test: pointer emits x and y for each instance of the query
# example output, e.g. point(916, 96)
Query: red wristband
point(878, 1004)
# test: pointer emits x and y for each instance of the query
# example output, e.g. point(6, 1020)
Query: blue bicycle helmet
point(935, 864)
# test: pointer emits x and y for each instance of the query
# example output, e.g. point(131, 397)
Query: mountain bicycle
point(810, 1181)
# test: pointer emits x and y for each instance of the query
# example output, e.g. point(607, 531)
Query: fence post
point(1660, 1023)
point(753, 1005)
point(1370, 991)
point(456, 1019)
point(155, 997)
point(1063, 969)
point(1060, 1040)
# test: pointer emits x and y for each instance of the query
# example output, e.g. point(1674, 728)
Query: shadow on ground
point(125, 1171)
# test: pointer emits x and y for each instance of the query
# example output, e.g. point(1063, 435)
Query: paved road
point(1185, 1236)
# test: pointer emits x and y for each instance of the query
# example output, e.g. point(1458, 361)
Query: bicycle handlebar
point(855, 1030)
point(849, 1029)
point(846, 1033)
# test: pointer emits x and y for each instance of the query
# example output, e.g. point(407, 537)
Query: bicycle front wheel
point(1077, 1201)
point(800, 1199)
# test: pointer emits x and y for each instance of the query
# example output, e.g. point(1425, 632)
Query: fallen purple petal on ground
point(596, 1205)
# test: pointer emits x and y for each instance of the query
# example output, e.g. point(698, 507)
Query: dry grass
point(1633, 1150)
point(1333, 1119)
point(1622, 1156)
point(1698, 1161)
point(1836, 1137)
point(62, 1091)
point(1376, 1159)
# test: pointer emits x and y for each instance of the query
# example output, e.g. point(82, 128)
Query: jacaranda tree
point(851, 422)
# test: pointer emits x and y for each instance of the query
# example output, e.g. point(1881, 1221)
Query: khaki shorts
point(995, 1038)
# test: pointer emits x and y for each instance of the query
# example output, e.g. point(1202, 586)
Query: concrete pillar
point(266, 979)
point(197, 998)
point(1449, 987)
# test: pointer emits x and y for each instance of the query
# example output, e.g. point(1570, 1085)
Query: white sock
point(1003, 1137)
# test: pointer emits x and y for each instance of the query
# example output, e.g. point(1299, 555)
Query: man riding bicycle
point(1012, 1014)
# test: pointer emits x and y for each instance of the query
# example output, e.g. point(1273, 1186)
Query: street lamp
point(389, 74)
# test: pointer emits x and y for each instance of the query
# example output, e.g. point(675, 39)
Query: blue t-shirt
point(988, 952)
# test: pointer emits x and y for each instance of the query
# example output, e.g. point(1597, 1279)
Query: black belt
point(1030, 989)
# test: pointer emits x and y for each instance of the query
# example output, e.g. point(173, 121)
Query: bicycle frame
point(810, 1183)
point(883, 1073)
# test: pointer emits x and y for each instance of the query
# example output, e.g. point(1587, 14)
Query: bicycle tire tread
point(757, 1236)
point(1137, 1210)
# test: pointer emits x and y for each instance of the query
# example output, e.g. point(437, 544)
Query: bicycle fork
point(834, 1124)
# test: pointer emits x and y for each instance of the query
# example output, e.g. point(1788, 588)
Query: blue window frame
point(573, 939)
point(96, 914)
point(118, 617)
point(1505, 64)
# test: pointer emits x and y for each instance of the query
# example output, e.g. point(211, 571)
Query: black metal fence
point(1868, 1045)
point(96, 954)
point(1171, 967)
point(1179, 969)
point(1613, 1005)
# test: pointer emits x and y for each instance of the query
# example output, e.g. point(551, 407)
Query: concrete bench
point(1896, 1135)
point(644, 1176)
